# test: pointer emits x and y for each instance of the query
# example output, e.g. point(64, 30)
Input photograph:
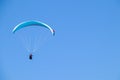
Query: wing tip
point(53, 32)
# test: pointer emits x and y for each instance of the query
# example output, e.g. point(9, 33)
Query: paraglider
point(29, 24)
point(33, 23)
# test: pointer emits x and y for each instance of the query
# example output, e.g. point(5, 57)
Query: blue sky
point(86, 45)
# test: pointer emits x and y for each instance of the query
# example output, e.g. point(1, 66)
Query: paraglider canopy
point(34, 36)
point(32, 23)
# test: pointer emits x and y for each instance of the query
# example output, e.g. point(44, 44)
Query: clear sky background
point(86, 45)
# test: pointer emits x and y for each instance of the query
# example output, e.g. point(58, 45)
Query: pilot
point(30, 56)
